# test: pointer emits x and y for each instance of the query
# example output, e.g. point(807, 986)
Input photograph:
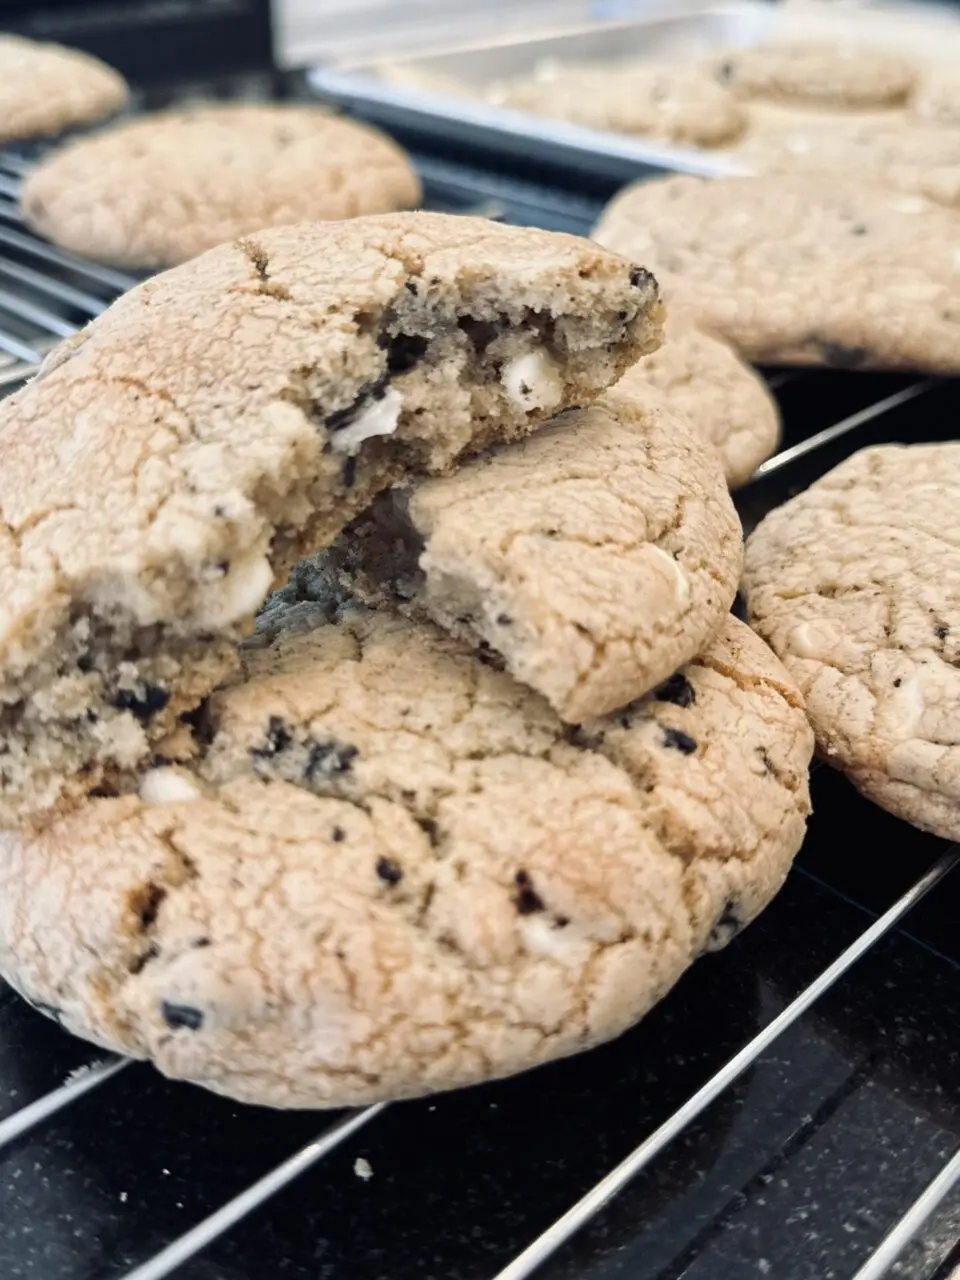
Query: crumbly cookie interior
point(108, 664)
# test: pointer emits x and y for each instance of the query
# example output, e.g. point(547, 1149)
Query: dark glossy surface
point(796, 1172)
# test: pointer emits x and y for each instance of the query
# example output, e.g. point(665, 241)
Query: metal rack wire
point(46, 294)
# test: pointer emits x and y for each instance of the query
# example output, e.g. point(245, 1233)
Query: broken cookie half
point(169, 464)
point(594, 558)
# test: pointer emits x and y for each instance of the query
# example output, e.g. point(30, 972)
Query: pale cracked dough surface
point(391, 870)
point(667, 103)
point(703, 379)
point(856, 584)
point(47, 88)
point(913, 157)
point(168, 464)
point(802, 268)
point(833, 74)
point(157, 191)
point(595, 557)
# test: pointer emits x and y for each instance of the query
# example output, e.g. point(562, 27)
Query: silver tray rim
point(359, 85)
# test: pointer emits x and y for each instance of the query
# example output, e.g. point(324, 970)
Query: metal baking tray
point(393, 94)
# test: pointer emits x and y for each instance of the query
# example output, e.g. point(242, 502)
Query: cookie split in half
point(170, 463)
point(595, 557)
point(48, 88)
point(856, 585)
point(821, 268)
point(382, 868)
point(157, 191)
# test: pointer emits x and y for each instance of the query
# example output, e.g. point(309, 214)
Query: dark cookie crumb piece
point(941, 631)
point(348, 472)
point(897, 683)
point(405, 351)
point(480, 332)
point(640, 277)
point(726, 72)
point(277, 739)
point(338, 835)
point(181, 1015)
point(678, 690)
point(328, 758)
point(679, 741)
point(728, 925)
point(144, 705)
point(389, 871)
point(504, 620)
point(526, 899)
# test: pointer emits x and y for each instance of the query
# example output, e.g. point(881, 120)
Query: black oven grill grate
point(45, 295)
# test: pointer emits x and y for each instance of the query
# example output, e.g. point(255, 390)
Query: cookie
point(702, 379)
point(47, 88)
point(389, 870)
point(823, 74)
point(595, 557)
point(856, 584)
point(820, 268)
point(171, 462)
point(157, 191)
point(918, 159)
point(667, 103)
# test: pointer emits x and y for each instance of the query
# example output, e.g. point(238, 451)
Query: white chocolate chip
point(533, 381)
point(167, 785)
point(812, 639)
point(240, 592)
point(681, 585)
point(379, 418)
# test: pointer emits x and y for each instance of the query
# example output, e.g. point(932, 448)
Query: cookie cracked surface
point(856, 585)
point(385, 869)
point(667, 103)
point(702, 379)
point(169, 464)
point(157, 191)
point(47, 88)
point(596, 557)
point(915, 158)
point(802, 268)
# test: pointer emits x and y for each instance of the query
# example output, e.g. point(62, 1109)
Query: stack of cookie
point(465, 790)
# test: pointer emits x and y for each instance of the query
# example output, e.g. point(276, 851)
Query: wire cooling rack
point(792, 1109)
